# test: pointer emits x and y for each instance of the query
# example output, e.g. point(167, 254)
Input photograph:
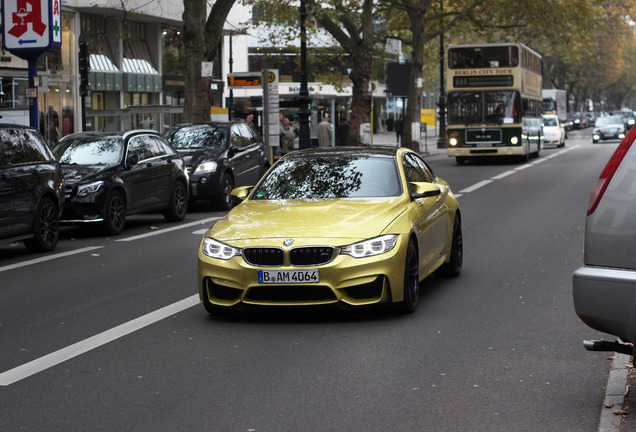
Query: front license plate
point(288, 276)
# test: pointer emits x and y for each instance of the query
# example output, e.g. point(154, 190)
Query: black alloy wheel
point(115, 213)
point(46, 228)
point(225, 199)
point(411, 279)
point(454, 266)
point(178, 205)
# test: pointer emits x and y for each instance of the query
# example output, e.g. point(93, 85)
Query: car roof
point(207, 123)
point(15, 126)
point(119, 134)
point(353, 151)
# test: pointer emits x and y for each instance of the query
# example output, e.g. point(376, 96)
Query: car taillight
point(608, 172)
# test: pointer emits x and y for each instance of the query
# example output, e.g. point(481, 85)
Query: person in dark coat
point(342, 133)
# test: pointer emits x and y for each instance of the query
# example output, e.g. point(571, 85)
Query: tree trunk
point(417, 17)
point(197, 94)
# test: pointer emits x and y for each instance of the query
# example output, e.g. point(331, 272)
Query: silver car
point(604, 289)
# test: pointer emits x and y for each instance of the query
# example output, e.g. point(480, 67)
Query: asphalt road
point(106, 334)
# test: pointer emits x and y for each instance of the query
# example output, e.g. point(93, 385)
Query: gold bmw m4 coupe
point(348, 226)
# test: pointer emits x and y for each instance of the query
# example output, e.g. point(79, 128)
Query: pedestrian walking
point(324, 133)
point(399, 128)
point(286, 137)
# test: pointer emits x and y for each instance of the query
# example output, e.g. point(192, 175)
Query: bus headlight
point(452, 141)
point(514, 140)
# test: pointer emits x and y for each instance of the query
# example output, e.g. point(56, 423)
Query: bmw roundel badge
point(288, 242)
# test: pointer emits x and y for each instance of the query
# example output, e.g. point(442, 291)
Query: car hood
point(351, 219)
point(195, 157)
point(78, 173)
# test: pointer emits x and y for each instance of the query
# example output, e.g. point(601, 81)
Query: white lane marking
point(48, 258)
point(475, 186)
point(165, 230)
point(38, 365)
point(200, 232)
point(504, 174)
point(513, 171)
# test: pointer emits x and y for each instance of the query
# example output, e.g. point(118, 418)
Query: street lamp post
point(304, 111)
point(441, 137)
point(230, 111)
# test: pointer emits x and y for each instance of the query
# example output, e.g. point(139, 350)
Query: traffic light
point(84, 68)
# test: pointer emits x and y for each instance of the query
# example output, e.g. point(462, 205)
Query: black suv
point(110, 175)
point(220, 156)
point(31, 189)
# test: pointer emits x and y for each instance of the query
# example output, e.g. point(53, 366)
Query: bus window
point(464, 108)
point(483, 57)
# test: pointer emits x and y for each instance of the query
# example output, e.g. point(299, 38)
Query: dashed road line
point(505, 174)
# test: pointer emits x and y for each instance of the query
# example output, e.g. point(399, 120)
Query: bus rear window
point(483, 57)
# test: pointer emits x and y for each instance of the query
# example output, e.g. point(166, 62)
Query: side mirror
point(132, 160)
point(239, 194)
point(423, 190)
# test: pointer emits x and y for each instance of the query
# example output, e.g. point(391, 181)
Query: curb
point(612, 413)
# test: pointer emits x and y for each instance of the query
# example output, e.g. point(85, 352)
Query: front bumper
point(345, 280)
point(605, 300)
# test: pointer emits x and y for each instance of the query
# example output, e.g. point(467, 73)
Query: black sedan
point(220, 156)
point(112, 175)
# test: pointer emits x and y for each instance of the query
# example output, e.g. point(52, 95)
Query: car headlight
point(88, 189)
point(371, 247)
point(216, 249)
point(206, 167)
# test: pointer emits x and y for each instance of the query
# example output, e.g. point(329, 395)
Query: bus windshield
point(483, 57)
point(482, 107)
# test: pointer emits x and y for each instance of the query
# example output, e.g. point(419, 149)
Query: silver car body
point(604, 289)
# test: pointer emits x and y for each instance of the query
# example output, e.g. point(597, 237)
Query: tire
point(460, 160)
point(224, 199)
point(114, 213)
point(178, 205)
point(454, 266)
point(46, 228)
point(411, 280)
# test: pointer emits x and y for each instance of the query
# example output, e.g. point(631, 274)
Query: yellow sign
point(428, 116)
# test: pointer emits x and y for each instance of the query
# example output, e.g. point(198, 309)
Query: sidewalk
point(428, 143)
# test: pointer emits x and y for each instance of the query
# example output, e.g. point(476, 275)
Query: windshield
point(330, 177)
point(550, 121)
point(90, 151)
point(197, 137)
point(483, 107)
point(607, 121)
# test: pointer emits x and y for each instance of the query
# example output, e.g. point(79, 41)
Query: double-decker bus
point(494, 101)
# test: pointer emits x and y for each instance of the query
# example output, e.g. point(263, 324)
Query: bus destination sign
point(245, 79)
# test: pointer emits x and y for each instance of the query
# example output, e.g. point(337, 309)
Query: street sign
point(245, 79)
point(31, 27)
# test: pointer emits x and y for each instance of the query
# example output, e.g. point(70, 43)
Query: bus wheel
point(460, 160)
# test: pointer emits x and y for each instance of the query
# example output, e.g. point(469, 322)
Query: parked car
point(31, 189)
point(220, 156)
point(628, 118)
point(608, 127)
point(553, 131)
point(347, 226)
point(111, 175)
point(604, 289)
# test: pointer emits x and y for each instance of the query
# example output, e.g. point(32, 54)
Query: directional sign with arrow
point(31, 27)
